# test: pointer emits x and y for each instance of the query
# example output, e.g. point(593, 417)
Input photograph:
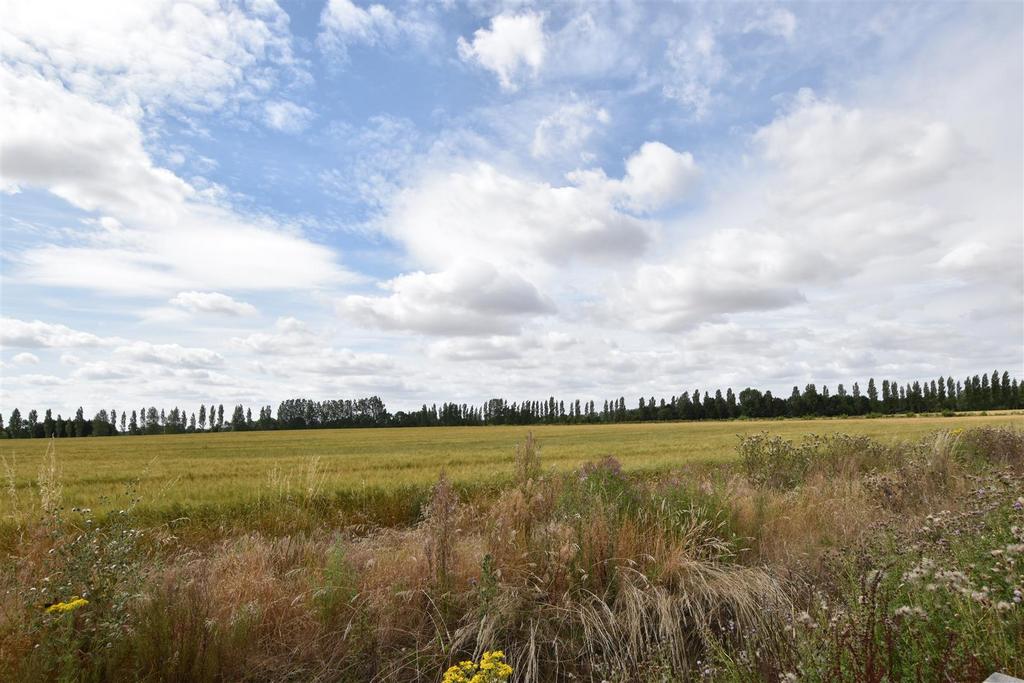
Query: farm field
point(232, 468)
point(883, 549)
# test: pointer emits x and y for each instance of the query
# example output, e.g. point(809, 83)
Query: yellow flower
point(492, 669)
point(69, 606)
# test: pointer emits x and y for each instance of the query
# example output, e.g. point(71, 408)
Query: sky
point(243, 202)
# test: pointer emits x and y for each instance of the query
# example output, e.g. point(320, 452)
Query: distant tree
point(220, 416)
point(80, 423)
point(14, 427)
point(202, 417)
point(48, 424)
point(124, 420)
point(101, 424)
point(133, 426)
point(32, 423)
point(152, 421)
point(238, 419)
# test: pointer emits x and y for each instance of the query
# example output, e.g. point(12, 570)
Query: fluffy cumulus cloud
point(39, 334)
point(211, 302)
point(468, 299)
point(513, 48)
point(731, 271)
point(478, 210)
point(846, 157)
point(658, 175)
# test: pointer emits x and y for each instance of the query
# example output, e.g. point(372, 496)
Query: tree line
point(944, 394)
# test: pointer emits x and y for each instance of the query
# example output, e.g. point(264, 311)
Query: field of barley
point(229, 469)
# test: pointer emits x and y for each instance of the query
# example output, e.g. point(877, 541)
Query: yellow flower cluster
point(69, 606)
point(492, 669)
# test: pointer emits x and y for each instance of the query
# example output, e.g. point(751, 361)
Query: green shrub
point(773, 462)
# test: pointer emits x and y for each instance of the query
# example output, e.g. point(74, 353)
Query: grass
point(863, 559)
point(204, 472)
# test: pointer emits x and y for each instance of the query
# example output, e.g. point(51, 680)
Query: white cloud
point(377, 158)
point(290, 336)
point(848, 156)
point(832, 185)
point(513, 48)
point(344, 24)
point(489, 243)
point(38, 380)
point(102, 371)
point(293, 347)
point(776, 21)
point(171, 237)
point(465, 300)
point(197, 55)
point(331, 362)
point(287, 117)
point(37, 334)
point(500, 347)
point(172, 355)
point(490, 348)
point(730, 271)
point(524, 225)
point(211, 302)
point(696, 65)
point(658, 175)
point(26, 359)
point(567, 130)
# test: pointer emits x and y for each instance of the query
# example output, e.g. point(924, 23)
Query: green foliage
point(773, 462)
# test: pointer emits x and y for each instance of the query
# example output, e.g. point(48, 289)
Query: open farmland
point(875, 550)
point(188, 470)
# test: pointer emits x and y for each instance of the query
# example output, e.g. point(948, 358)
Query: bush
point(773, 462)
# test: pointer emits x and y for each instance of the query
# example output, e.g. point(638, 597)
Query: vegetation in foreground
point(833, 557)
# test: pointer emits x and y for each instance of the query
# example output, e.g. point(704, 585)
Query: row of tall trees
point(979, 392)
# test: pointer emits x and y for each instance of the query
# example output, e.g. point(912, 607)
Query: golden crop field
point(229, 468)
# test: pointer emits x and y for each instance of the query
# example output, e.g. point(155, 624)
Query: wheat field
point(214, 469)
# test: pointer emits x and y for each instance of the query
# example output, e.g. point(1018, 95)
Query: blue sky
point(245, 202)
